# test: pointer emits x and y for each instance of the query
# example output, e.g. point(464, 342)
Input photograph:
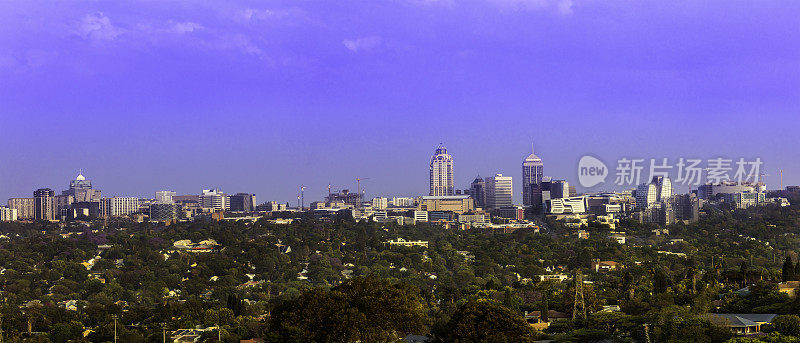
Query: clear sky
point(264, 96)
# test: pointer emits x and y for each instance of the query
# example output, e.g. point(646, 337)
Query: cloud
point(181, 28)
point(563, 7)
point(97, 26)
point(362, 44)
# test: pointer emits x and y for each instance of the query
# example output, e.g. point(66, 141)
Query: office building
point(566, 205)
point(663, 187)
point(559, 189)
point(477, 190)
point(532, 173)
point(646, 195)
point(454, 203)
point(119, 206)
point(164, 211)
point(81, 190)
point(499, 192)
point(243, 202)
point(686, 207)
point(24, 207)
point(213, 199)
point(44, 204)
point(8, 214)
point(441, 173)
point(165, 197)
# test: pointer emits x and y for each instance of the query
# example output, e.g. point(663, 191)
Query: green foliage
point(486, 321)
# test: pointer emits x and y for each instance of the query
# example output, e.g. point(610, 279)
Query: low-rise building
point(404, 243)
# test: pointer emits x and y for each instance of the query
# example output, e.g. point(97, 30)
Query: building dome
point(80, 177)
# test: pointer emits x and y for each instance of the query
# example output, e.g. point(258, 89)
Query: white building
point(8, 214)
point(567, 205)
point(119, 206)
point(441, 173)
point(532, 173)
point(213, 199)
point(380, 203)
point(420, 216)
point(403, 202)
point(165, 197)
point(499, 191)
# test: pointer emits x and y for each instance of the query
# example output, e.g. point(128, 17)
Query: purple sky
point(264, 96)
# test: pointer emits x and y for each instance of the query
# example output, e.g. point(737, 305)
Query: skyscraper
point(499, 191)
point(477, 189)
point(532, 172)
point(81, 190)
point(43, 204)
point(441, 173)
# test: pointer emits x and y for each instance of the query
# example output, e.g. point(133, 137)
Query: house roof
point(740, 320)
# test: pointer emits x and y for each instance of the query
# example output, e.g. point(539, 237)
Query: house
point(535, 318)
point(741, 323)
point(604, 266)
point(789, 287)
point(405, 243)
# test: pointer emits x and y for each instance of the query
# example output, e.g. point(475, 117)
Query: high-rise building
point(8, 214)
point(532, 173)
point(687, 207)
point(477, 189)
point(658, 190)
point(499, 191)
point(119, 206)
point(663, 186)
point(243, 202)
point(380, 203)
point(81, 190)
point(213, 199)
point(44, 204)
point(646, 195)
point(559, 189)
point(24, 206)
point(441, 173)
point(165, 197)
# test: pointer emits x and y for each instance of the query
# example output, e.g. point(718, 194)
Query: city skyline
point(251, 97)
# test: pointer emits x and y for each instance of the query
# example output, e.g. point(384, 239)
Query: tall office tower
point(477, 189)
point(213, 199)
point(663, 187)
point(441, 173)
point(119, 206)
point(559, 189)
point(44, 204)
point(532, 173)
point(24, 207)
point(243, 202)
point(646, 195)
point(165, 197)
point(81, 190)
point(499, 192)
point(687, 207)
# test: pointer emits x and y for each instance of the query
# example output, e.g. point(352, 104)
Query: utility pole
point(115, 327)
point(579, 299)
point(164, 328)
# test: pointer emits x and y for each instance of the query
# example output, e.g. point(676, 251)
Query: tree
point(787, 325)
point(485, 321)
point(787, 273)
point(362, 309)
